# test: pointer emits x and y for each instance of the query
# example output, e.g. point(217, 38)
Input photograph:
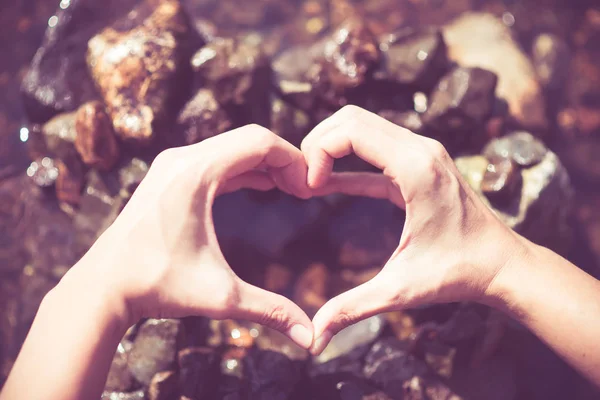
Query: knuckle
point(438, 150)
point(344, 319)
point(275, 317)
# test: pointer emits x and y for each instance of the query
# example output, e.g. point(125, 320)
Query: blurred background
point(91, 91)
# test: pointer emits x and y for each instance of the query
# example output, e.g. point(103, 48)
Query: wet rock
point(154, 349)
point(501, 181)
point(95, 141)
point(524, 149)
point(277, 278)
point(460, 104)
point(136, 64)
point(289, 122)
point(493, 48)
point(43, 172)
point(542, 211)
point(237, 71)
point(131, 175)
point(413, 57)
point(202, 117)
point(119, 377)
point(410, 120)
point(311, 288)
point(366, 232)
point(56, 137)
point(137, 395)
point(70, 181)
point(350, 54)
point(272, 340)
point(198, 372)
point(164, 386)
point(271, 374)
point(551, 57)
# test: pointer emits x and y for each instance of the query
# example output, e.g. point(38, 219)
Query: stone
point(232, 363)
point(271, 375)
point(119, 377)
point(131, 175)
point(501, 181)
point(410, 120)
point(198, 372)
point(137, 395)
point(551, 56)
point(522, 147)
point(43, 172)
point(365, 232)
point(403, 324)
point(413, 57)
point(272, 340)
point(541, 213)
point(237, 71)
point(154, 348)
point(203, 117)
point(236, 334)
point(493, 48)
point(70, 181)
point(14, 223)
point(460, 104)
point(311, 288)
point(95, 141)
point(164, 386)
point(136, 64)
point(362, 333)
point(289, 122)
point(56, 137)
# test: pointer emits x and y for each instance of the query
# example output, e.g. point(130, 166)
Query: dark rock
point(56, 137)
point(238, 72)
point(43, 172)
point(521, 147)
point(311, 288)
point(136, 64)
point(164, 386)
point(14, 219)
point(366, 232)
point(272, 376)
point(154, 349)
point(119, 377)
point(460, 104)
point(131, 175)
point(413, 57)
point(198, 372)
point(70, 181)
point(272, 340)
point(202, 117)
point(501, 181)
point(551, 57)
point(232, 363)
point(289, 122)
point(95, 140)
point(410, 120)
point(138, 395)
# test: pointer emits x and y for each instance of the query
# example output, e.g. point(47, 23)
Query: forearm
point(68, 351)
point(557, 301)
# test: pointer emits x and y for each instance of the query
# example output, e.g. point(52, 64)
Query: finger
point(275, 311)
point(251, 147)
point(389, 147)
point(349, 308)
point(256, 180)
point(368, 184)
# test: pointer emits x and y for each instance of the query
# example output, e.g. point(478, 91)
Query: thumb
point(275, 311)
point(348, 308)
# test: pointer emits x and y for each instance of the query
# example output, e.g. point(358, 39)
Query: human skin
point(161, 257)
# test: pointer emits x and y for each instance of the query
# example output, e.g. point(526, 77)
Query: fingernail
point(321, 342)
point(301, 335)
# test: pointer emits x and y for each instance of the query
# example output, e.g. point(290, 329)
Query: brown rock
point(198, 372)
point(95, 140)
point(311, 289)
point(43, 172)
point(202, 117)
point(164, 386)
point(119, 377)
point(501, 181)
point(70, 181)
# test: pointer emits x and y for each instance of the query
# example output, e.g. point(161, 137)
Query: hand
point(161, 256)
point(452, 246)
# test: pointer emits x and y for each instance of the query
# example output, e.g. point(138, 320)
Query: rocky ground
point(93, 91)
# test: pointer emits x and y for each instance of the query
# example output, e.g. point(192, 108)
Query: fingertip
point(321, 343)
point(320, 165)
point(301, 335)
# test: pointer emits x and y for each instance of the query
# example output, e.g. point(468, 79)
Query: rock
point(351, 54)
point(501, 181)
point(351, 232)
point(521, 147)
point(272, 340)
point(403, 324)
point(359, 334)
point(56, 137)
point(237, 335)
point(311, 288)
point(542, 211)
point(551, 57)
point(460, 104)
point(164, 386)
point(70, 181)
point(277, 278)
point(202, 117)
point(231, 363)
point(95, 141)
point(131, 175)
point(14, 223)
point(154, 349)
point(136, 64)
point(410, 120)
point(43, 172)
point(137, 395)
point(289, 122)
point(57, 79)
point(198, 372)
point(413, 57)
point(119, 377)
point(237, 71)
point(493, 48)
point(271, 375)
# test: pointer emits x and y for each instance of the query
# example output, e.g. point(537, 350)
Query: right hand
point(452, 247)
